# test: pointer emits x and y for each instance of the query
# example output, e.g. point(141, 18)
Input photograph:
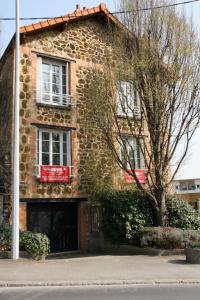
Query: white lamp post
point(15, 166)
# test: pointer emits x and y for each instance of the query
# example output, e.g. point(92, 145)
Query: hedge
point(168, 237)
point(126, 212)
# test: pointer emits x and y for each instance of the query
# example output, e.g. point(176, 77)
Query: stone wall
point(85, 43)
point(6, 113)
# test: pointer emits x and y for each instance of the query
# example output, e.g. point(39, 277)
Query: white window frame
point(39, 148)
point(131, 143)
point(63, 99)
point(130, 107)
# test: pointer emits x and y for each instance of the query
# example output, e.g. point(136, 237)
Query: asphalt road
point(136, 292)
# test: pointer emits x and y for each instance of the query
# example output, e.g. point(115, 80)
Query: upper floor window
point(54, 82)
point(127, 100)
point(53, 148)
point(132, 155)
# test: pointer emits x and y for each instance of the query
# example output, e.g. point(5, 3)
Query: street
point(123, 292)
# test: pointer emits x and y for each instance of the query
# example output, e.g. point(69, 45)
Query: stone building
point(62, 154)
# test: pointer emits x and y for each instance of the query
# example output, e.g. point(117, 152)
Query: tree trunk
point(161, 211)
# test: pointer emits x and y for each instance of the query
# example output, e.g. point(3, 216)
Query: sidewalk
point(98, 270)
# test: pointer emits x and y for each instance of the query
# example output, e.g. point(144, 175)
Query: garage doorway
point(59, 221)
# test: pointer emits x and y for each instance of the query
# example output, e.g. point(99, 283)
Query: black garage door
point(58, 221)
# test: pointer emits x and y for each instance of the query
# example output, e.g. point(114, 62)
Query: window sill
point(59, 107)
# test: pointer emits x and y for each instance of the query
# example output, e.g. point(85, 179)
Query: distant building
point(189, 190)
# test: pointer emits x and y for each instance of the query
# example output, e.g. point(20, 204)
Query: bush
point(196, 245)
point(5, 237)
point(36, 244)
point(124, 213)
point(182, 215)
point(168, 237)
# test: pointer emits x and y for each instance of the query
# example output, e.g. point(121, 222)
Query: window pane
point(56, 159)
point(45, 159)
point(132, 159)
point(138, 157)
point(45, 82)
point(45, 68)
point(55, 78)
point(64, 137)
point(55, 89)
point(45, 146)
point(45, 136)
point(126, 98)
point(64, 160)
point(56, 99)
point(45, 87)
point(56, 69)
point(64, 80)
point(56, 137)
point(64, 70)
point(64, 148)
point(64, 89)
point(56, 147)
point(46, 98)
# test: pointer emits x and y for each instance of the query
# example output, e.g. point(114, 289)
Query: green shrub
point(196, 245)
point(124, 213)
point(182, 215)
point(168, 237)
point(36, 244)
point(5, 237)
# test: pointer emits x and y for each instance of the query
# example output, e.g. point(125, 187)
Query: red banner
point(54, 174)
point(139, 173)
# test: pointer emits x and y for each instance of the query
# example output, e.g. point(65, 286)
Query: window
point(53, 148)
point(53, 83)
point(128, 103)
point(131, 153)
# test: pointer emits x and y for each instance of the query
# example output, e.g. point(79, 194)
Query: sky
point(50, 8)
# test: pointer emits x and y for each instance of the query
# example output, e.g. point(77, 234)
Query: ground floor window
point(53, 148)
point(132, 154)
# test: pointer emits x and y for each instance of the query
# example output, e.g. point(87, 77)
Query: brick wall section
point(23, 216)
point(83, 226)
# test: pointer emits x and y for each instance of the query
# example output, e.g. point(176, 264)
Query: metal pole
point(15, 206)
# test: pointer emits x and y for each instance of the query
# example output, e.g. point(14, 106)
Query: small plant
point(36, 244)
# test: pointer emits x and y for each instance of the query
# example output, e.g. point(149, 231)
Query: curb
point(97, 283)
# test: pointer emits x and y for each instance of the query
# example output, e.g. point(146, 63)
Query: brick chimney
point(78, 8)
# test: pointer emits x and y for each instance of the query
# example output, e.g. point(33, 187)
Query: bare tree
point(149, 101)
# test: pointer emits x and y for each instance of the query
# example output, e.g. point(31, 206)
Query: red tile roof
point(78, 14)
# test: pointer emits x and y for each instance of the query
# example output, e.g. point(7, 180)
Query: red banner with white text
point(54, 174)
point(139, 173)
